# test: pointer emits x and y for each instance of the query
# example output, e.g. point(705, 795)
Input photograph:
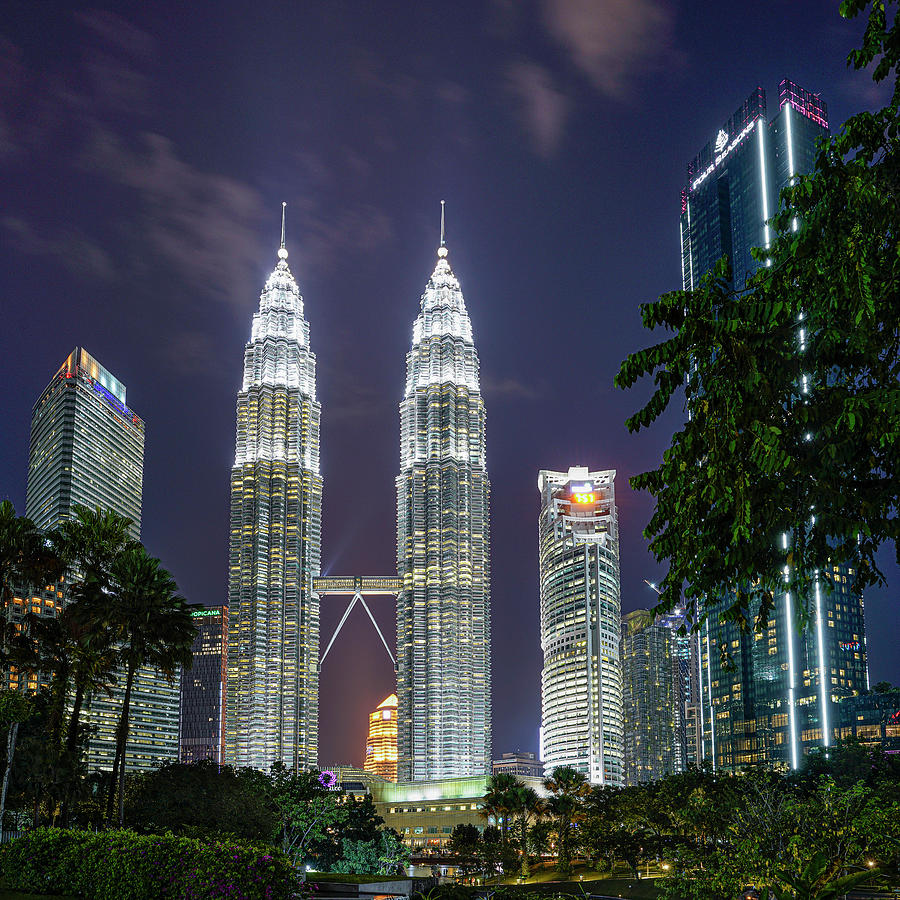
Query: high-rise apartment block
point(271, 711)
point(381, 744)
point(443, 546)
point(581, 681)
point(202, 718)
point(652, 718)
point(766, 697)
point(87, 447)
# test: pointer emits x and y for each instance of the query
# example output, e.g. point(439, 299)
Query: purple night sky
point(144, 155)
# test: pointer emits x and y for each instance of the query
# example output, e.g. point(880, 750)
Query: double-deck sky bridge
point(341, 585)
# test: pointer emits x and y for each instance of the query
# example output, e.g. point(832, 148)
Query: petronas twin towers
point(443, 608)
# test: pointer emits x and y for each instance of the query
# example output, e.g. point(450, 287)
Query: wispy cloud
point(204, 225)
point(511, 388)
point(542, 107)
point(611, 41)
point(117, 32)
point(77, 253)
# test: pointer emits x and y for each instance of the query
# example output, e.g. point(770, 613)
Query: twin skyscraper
point(443, 603)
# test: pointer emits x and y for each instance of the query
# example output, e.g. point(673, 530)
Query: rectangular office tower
point(767, 697)
point(581, 681)
point(775, 694)
point(443, 546)
point(87, 447)
point(201, 733)
point(734, 182)
point(653, 705)
point(272, 705)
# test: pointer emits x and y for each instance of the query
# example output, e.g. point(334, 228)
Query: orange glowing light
point(583, 498)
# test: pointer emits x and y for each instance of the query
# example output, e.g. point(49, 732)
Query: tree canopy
point(787, 463)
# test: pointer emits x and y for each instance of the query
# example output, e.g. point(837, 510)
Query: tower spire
point(442, 250)
point(282, 250)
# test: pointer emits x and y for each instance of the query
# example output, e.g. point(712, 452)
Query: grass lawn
point(548, 881)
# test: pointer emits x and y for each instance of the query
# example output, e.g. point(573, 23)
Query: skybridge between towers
point(356, 586)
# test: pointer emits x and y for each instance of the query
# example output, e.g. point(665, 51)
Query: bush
point(122, 865)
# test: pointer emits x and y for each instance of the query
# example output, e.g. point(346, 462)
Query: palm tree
point(524, 804)
point(496, 802)
point(92, 539)
point(90, 542)
point(567, 787)
point(26, 559)
point(151, 626)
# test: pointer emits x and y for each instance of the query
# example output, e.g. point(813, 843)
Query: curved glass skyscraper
point(581, 682)
point(276, 511)
point(443, 610)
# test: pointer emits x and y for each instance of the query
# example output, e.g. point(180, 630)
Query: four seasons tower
point(443, 610)
point(276, 510)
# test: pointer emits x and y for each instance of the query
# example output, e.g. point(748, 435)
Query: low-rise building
point(519, 764)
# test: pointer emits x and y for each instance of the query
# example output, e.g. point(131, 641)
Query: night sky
point(145, 150)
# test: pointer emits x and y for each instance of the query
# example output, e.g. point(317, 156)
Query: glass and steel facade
point(766, 697)
point(87, 447)
point(734, 182)
point(581, 679)
point(772, 694)
point(443, 609)
point(381, 743)
point(651, 713)
point(202, 720)
point(271, 712)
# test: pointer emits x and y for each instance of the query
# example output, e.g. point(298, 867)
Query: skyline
point(119, 225)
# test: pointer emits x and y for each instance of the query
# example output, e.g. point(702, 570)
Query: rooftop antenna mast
point(282, 250)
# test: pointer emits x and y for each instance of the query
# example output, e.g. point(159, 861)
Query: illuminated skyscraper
point(87, 447)
point(381, 745)
point(443, 610)
point(734, 182)
point(651, 698)
point(581, 681)
point(201, 732)
point(774, 696)
point(276, 509)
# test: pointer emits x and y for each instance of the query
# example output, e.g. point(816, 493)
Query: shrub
point(122, 865)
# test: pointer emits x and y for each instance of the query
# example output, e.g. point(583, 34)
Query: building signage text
point(721, 156)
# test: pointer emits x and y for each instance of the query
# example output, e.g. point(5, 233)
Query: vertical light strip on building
point(824, 675)
point(690, 245)
point(700, 704)
point(712, 714)
point(764, 181)
point(790, 150)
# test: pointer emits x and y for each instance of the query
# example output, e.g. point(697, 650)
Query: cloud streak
point(542, 107)
point(610, 41)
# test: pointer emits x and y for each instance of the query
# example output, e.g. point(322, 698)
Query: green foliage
point(15, 707)
point(199, 799)
point(122, 865)
point(775, 433)
point(383, 854)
